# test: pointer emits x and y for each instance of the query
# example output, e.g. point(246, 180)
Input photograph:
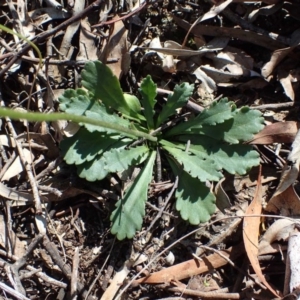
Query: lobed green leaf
point(148, 92)
point(96, 168)
point(204, 169)
point(244, 124)
point(217, 113)
point(127, 218)
point(235, 159)
point(178, 99)
point(77, 102)
point(84, 146)
point(99, 80)
point(120, 159)
point(194, 200)
point(93, 170)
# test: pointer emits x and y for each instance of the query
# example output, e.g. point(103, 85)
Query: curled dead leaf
point(286, 203)
point(280, 132)
point(278, 231)
point(117, 48)
point(276, 58)
point(288, 177)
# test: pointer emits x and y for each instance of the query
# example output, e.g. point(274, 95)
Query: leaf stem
point(40, 117)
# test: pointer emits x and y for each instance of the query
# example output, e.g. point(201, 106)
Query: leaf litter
point(245, 51)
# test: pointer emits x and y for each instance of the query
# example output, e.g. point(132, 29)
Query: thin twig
point(27, 166)
point(10, 241)
point(273, 106)
point(203, 295)
point(34, 271)
point(158, 216)
point(12, 292)
point(12, 270)
point(100, 271)
point(66, 269)
point(74, 276)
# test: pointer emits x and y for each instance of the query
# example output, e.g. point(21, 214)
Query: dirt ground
point(247, 51)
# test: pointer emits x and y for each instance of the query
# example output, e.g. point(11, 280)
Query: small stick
point(27, 166)
point(11, 291)
point(53, 251)
point(203, 295)
point(74, 275)
point(35, 271)
point(274, 106)
point(161, 210)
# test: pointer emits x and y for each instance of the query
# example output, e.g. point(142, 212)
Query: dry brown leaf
point(288, 177)
point(19, 247)
point(285, 79)
point(10, 194)
point(220, 76)
point(172, 48)
point(222, 199)
point(285, 190)
point(208, 83)
point(49, 142)
point(7, 141)
point(280, 132)
point(294, 155)
point(238, 56)
point(88, 49)
point(247, 36)
point(116, 282)
point(17, 198)
point(117, 48)
point(66, 49)
point(192, 267)
point(278, 231)
point(229, 64)
point(285, 204)
point(17, 166)
point(168, 64)
point(71, 129)
point(276, 58)
point(214, 11)
point(264, 11)
point(156, 44)
point(251, 233)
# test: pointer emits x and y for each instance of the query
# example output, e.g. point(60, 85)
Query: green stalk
point(40, 117)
